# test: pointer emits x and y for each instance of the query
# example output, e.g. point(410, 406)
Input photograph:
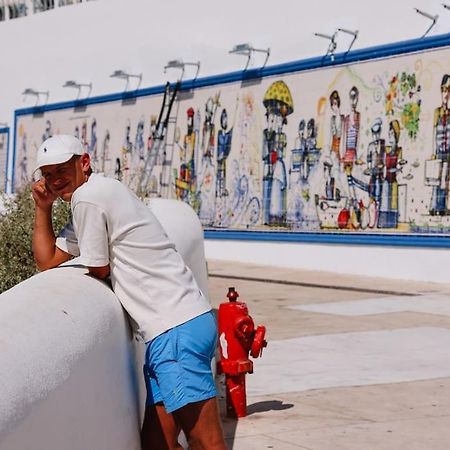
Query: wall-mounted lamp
point(445, 6)
point(332, 46)
point(74, 84)
point(37, 94)
point(126, 76)
point(428, 16)
point(179, 64)
point(247, 50)
point(351, 33)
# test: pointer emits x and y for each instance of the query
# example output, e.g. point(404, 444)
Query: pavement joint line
point(284, 441)
point(313, 285)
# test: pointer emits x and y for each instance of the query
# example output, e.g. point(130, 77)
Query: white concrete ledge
point(67, 370)
point(70, 369)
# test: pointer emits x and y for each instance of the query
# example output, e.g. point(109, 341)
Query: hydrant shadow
point(230, 424)
point(268, 405)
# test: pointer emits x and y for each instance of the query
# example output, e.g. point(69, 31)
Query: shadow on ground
point(268, 405)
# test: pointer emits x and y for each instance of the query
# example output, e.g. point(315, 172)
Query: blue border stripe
point(347, 238)
point(13, 176)
point(5, 130)
point(370, 53)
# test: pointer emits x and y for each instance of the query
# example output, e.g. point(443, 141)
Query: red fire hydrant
point(237, 338)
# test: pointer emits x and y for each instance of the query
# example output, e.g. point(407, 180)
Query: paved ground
point(352, 362)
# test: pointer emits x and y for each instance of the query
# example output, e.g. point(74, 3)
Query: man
point(116, 234)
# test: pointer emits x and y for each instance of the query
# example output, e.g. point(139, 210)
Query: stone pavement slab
point(348, 366)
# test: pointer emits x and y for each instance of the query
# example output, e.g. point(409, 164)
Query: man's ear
point(85, 162)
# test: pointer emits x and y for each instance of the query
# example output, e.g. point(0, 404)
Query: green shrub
point(16, 228)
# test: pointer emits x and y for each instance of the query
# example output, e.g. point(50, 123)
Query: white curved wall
point(184, 228)
point(68, 378)
point(71, 372)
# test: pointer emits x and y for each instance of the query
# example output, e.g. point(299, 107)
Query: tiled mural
point(362, 147)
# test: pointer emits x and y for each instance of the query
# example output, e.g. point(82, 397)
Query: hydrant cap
point(232, 294)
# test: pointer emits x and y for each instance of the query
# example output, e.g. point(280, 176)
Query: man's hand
point(42, 195)
point(46, 254)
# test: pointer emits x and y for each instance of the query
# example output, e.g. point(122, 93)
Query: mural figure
point(241, 206)
point(336, 123)
point(118, 170)
point(185, 181)
point(208, 130)
point(197, 157)
point(441, 157)
point(207, 172)
point(244, 208)
point(105, 153)
point(388, 212)
point(351, 137)
point(139, 146)
point(76, 132)
point(301, 212)
point(312, 154)
point(84, 138)
point(375, 167)
point(151, 134)
point(298, 154)
point(279, 104)
point(277, 210)
point(296, 176)
point(223, 150)
point(332, 193)
point(93, 145)
point(127, 148)
point(48, 132)
point(332, 207)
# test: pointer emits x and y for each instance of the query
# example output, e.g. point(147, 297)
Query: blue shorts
point(177, 367)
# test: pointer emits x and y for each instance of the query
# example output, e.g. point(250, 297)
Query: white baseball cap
point(58, 149)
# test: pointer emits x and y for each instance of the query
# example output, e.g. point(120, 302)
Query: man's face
point(63, 179)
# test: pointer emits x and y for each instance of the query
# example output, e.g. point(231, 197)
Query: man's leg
point(159, 431)
point(178, 371)
point(201, 424)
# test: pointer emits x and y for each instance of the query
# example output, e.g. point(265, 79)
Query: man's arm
point(99, 272)
point(46, 254)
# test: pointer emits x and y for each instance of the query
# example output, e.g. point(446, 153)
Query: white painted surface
point(71, 372)
point(428, 305)
point(421, 264)
point(66, 366)
point(351, 359)
point(78, 43)
point(185, 230)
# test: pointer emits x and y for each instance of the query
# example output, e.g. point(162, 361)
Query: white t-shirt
point(112, 226)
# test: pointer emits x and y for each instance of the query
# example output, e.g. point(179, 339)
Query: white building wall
point(86, 42)
point(406, 263)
